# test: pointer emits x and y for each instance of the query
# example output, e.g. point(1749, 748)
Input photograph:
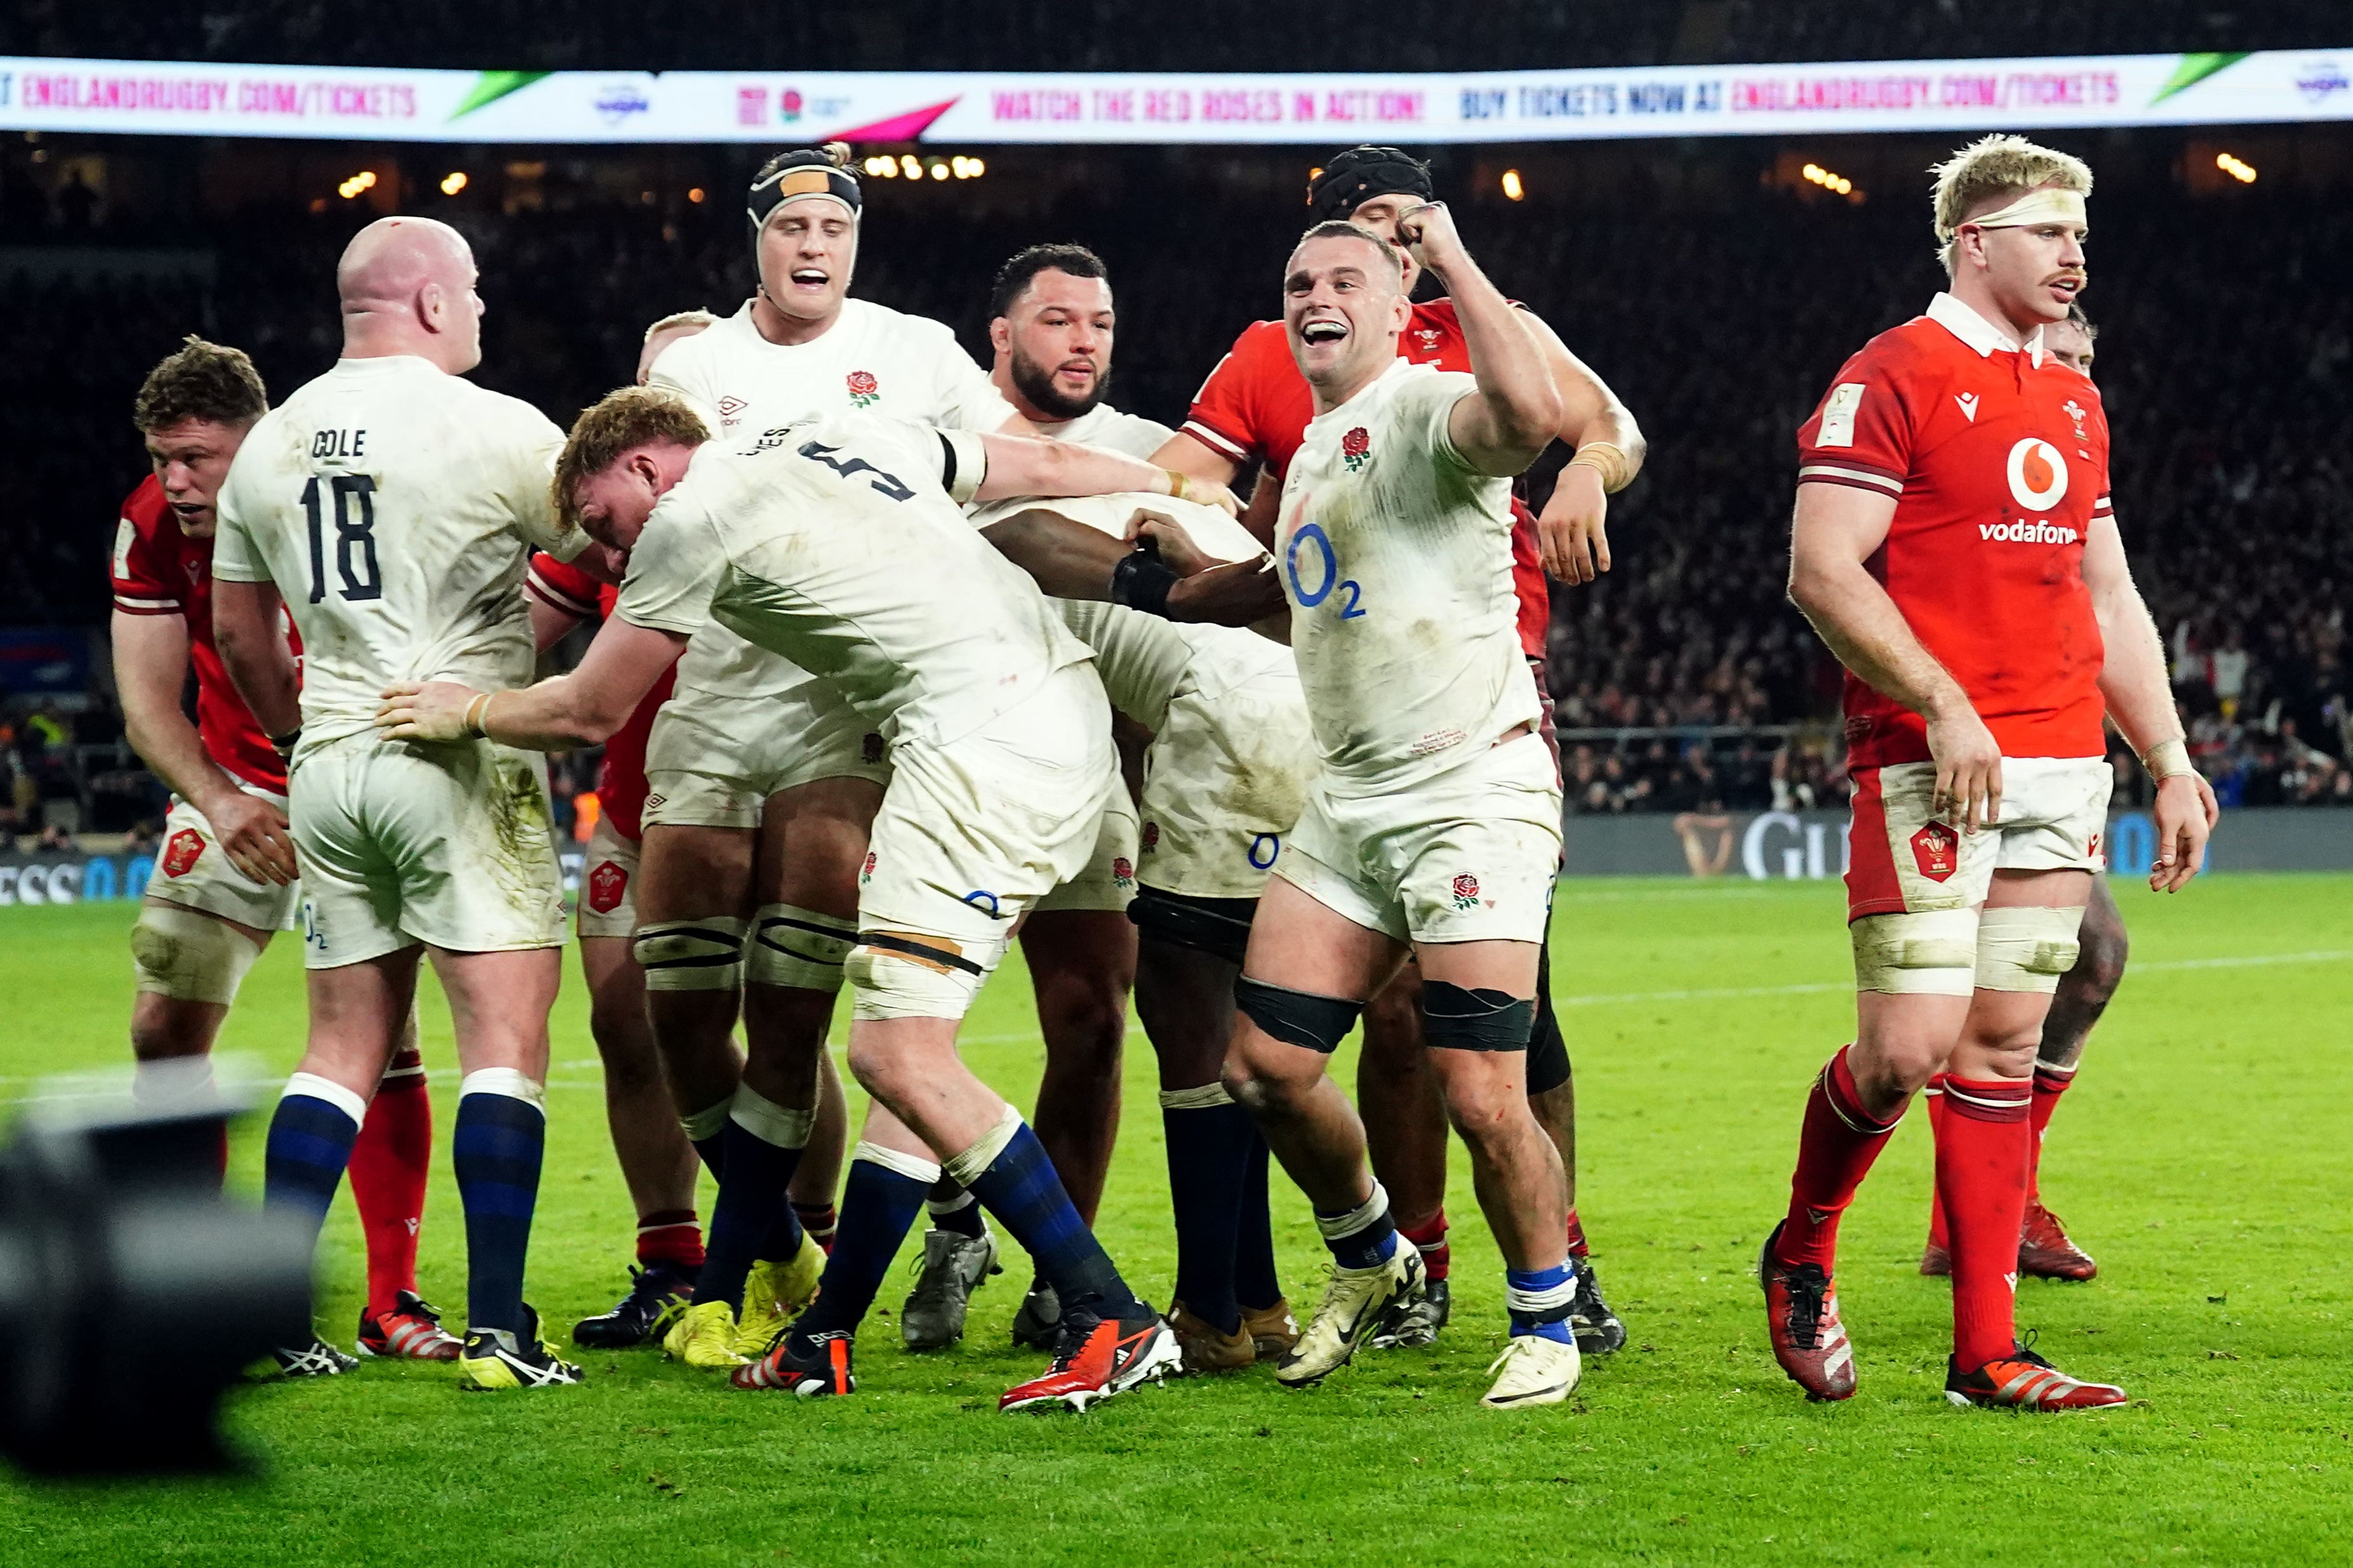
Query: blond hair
point(697, 319)
point(619, 423)
point(1994, 170)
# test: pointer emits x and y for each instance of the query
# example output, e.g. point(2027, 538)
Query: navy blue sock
point(713, 1152)
point(1208, 1182)
point(879, 1206)
point(309, 1143)
point(497, 1149)
point(1361, 1237)
point(1539, 1300)
point(750, 1199)
point(961, 1214)
point(1020, 1188)
point(1258, 1283)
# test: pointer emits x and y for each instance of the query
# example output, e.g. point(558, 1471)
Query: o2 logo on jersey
point(2038, 474)
point(1264, 849)
point(1328, 575)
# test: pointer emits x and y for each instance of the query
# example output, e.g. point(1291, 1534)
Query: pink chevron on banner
point(907, 127)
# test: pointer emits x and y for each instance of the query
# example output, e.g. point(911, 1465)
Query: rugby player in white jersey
point(838, 542)
point(1433, 825)
point(389, 505)
point(1222, 781)
point(762, 782)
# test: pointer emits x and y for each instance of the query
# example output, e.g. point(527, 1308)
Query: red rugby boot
point(1802, 1316)
point(2045, 1251)
point(1098, 1357)
point(2024, 1381)
point(411, 1331)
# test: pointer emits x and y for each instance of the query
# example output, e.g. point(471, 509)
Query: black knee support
point(1297, 1018)
point(1482, 1020)
point(1218, 927)
point(1547, 1046)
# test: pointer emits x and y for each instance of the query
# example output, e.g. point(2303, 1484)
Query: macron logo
point(2036, 532)
point(1968, 402)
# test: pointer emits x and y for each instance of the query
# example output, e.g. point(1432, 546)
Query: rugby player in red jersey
point(1255, 407)
point(225, 879)
point(1954, 546)
point(2044, 1248)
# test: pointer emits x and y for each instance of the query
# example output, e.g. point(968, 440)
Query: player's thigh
point(1301, 943)
point(616, 1006)
point(499, 1004)
point(685, 872)
point(189, 961)
point(360, 1014)
point(1903, 858)
point(813, 838)
point(1475, 855)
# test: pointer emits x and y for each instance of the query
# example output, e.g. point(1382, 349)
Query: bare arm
point(2140, 701)
point(549, 625)
point(1838, 528)
point(1189, 455)
point(1028, 466)
point(151, 667)
point(555, 715)
point(1572, 529)
point(260, 664)
point(1072, 561)
point(1503, 426)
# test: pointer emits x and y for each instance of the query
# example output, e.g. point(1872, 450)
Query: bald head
point(407, 285)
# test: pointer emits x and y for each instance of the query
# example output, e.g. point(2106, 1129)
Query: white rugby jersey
point(1396, 557)
point(1106, 427)
point(872, 360)
point(834, 543)
point(394, 505)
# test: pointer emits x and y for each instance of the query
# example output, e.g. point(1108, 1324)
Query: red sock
point(1982, 1155)
point(1577, 1247)
point(1937, 1234)
point(1430, 1236)
point(818, 1220)
point(390, 1161)
point(670, 1236)
point(2049, 1083)
point(1834, 1154)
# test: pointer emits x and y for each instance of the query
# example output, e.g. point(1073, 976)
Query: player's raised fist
point(1429, 235)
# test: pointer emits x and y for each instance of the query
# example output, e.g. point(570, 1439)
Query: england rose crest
point(863, 389)
point(1466, 891)
point(1123, 871)
point(866, 872)
point(1357, 449)
point(1151, 837)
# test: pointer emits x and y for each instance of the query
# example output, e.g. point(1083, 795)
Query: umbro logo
point(1968, 402)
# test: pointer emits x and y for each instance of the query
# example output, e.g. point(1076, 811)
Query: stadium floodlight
point(1512, 189)
point(911, 166)
point(453, 181)
point(2237, 168)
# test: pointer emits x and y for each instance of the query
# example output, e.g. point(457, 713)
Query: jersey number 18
point(354, 541)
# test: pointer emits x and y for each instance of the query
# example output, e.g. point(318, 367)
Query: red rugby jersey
point(159, 571)
point(1997, 456)
point(1256, 404)
point(621, 777)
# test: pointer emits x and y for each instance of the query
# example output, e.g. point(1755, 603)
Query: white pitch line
point(1724, 993)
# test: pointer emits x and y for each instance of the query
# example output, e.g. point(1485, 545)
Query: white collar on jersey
point(1980, 335)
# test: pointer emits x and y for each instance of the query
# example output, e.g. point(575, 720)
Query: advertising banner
point(357, 103)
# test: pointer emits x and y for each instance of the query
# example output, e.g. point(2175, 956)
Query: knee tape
point(913, 975)
point(915, 1167)
point(2026, 949)
point(799, 948)
point(780, 1126)
point(692, 955)
point(1219, 926)
point(1931, 954)
point(510, 1082)
point(1297, 1018)
point(1456, 1018)
point(965, 1168)
point(188, 956)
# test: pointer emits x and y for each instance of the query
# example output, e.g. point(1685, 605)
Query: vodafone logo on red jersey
point(2038, 474)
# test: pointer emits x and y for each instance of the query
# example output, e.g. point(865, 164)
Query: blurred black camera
point(133, 1294)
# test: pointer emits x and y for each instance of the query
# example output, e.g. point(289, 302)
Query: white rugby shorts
point(1901, 860)
point(1225, 779)
point(193, 871)
point(713, 761)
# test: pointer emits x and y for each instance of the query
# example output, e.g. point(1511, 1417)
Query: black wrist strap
point(284, 744)
point(1141, 583)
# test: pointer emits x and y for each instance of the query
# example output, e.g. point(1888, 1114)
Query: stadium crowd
point(2230, 428)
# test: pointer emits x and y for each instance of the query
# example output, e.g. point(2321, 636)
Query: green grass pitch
point(2202, 1158)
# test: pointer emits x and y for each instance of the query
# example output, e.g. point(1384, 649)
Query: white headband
point(2051, 204)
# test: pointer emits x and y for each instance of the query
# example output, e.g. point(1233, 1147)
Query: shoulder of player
point(144, 508)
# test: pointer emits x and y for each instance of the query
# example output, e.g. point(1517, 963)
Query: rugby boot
point(494, 1358)
point(2045, 1251)
point(1409, 1325)
point(1535, 1370)
point(1802, 1317)
point(816, 1370)
point(954, 1266)
point(2024, 1381)
point(657, 1297)
point(1204, 1347)
point(1273, 1330)
point(775, 1291)
point(412, 1330)
point(317, 1358)
point(1038, 1323)
point(704, 1337)
point(1353, 1300)
point(1098, 1357)
point(1598, 1329)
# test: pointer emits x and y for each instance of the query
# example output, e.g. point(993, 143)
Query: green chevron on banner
point(491, 86)
point(2195, 68)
